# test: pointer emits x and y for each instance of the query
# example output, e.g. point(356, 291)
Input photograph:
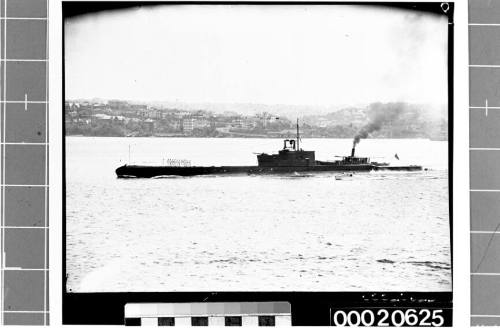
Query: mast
point(298, 135)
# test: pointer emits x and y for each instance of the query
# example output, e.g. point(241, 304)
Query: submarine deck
point(139, 171)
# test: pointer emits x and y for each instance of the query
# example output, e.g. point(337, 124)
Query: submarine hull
point(143, 171)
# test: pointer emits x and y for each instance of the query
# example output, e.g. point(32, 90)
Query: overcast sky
point(300, 55)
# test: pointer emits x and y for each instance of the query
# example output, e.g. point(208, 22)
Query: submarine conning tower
point(291, 155)
point(288, 156)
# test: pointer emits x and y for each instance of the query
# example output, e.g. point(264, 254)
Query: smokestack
point(380, 115)
point(352, 153)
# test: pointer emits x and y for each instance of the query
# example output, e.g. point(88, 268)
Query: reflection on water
point(373, 231)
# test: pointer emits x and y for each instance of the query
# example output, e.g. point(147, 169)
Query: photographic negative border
point(308, 308)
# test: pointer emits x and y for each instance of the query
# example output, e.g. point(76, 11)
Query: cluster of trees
point(95, 129)
point(112, 128)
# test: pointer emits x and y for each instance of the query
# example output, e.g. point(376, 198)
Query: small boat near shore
point(343, 175)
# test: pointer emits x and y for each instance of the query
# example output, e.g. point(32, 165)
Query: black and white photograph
point(257, 147)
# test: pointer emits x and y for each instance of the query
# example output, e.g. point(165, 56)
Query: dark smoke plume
point(379, 115)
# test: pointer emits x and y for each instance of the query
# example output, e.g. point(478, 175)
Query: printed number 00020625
point(388, 318)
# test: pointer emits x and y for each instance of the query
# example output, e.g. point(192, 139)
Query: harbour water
point(383, 231)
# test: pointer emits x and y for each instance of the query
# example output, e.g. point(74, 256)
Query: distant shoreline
point(242, 137)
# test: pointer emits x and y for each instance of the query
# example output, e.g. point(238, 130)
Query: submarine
point(291, 158)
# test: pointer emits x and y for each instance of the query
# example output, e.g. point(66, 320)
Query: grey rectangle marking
point(25, 164)
point(27, 8)
point(484, 48)
point(484, 130)
point(1, 30)
point(484, 53)
point(485, 167)
point(47, 281)
point(25, 245)
point(24, 248)
point(484, 255)
point(484, 295)
point(26, 39)
point(484, 11)
point(24, 319)
point(26, 123)
point(24, 290)
point(484, 82)
point(25, 206)
point(485, 321)
point(485, 210)
point(26, 79)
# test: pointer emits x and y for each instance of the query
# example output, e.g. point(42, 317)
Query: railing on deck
point(176, 162)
